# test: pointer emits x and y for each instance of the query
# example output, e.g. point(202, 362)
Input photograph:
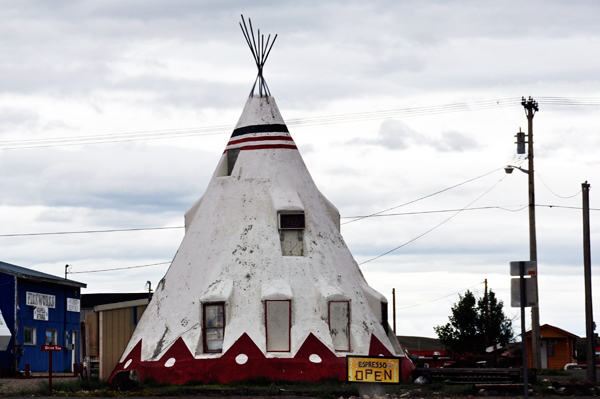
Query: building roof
point(89, 301)
point(121, 305)
point(34, 275)
point(412, 344)
point(556, 329)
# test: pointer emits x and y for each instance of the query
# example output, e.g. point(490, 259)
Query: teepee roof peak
point(260, 51)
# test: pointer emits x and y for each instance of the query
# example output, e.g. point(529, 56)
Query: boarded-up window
point(278, 323)
point(92, 339)
point(213, 327)
point(339, 325)
point(291, 233)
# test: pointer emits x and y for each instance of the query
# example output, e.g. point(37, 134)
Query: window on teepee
point(278, 324)
point(232, 156)
point(384, 317)
point(291, 233)
point(339, 325)
point(213, 327)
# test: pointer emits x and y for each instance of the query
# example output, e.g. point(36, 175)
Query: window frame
point(290, 229)
point(54, 336)
point(289, 344)
point(232, 156)
point(204, 335)
point(33, 336)
point(348, 325)
point(384, 317)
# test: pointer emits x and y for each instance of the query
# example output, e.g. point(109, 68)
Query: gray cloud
point(361, 47)
point(397, 135)
point(15, 119)
point(139, 179)
point(454, 141)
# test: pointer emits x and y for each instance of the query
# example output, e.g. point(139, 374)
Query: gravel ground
point(10, 385)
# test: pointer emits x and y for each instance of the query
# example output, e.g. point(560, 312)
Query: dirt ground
point(16, 385)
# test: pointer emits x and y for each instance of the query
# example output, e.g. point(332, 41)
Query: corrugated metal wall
point(116, 328)
point(7, 304)
point(59, 318)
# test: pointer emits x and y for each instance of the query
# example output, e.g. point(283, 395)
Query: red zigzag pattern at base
point(178, 365)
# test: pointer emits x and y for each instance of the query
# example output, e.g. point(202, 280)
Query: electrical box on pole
point(520, 142)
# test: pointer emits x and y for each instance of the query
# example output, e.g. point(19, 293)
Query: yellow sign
point(373, 369)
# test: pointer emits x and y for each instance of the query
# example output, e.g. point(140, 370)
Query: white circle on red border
point(315, 358)
point(241, 358)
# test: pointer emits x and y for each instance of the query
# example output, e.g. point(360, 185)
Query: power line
point(223, 129)
point(559, 196)
point(299, 122)
point(120, 268)
point(521, 207)
point(435, 227)
point(568, 100)
point(90, 231)
point(422, 198)
point(437, 299)
point(400, 214)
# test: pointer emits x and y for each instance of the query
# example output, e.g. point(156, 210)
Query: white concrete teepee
point(5, 334)
point(263, 284)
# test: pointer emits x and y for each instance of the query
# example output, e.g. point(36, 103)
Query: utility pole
point(531, 107)
point(394, 308)
point(587, 271)
point(487, 318)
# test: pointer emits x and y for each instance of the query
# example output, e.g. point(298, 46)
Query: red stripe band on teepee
point(265, 146)
point(261, 138)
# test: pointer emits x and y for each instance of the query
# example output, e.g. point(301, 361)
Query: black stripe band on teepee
point(279, 128)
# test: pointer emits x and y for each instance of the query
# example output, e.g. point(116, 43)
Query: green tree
point(471, 328)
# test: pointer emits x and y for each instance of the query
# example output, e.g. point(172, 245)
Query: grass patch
point(434, 389)
point(326, 389)
point(74, 387)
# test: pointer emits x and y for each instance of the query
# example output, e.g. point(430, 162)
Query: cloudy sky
point(113, 115)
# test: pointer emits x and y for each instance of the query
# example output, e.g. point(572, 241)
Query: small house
point(558, 347)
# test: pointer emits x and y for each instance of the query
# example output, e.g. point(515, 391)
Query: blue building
point(39, 309)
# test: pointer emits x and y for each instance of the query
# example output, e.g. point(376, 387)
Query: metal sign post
point(523, 333)
point(50, 349)
point(522, 268)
